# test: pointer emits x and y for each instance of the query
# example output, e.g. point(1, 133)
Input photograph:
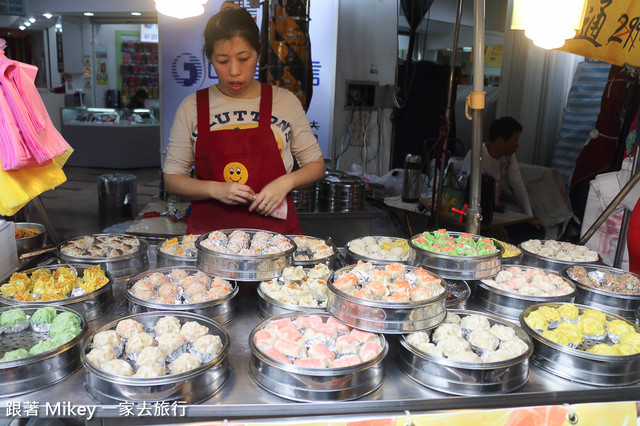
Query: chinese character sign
point(609, 32)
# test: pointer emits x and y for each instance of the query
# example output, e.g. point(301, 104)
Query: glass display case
point(109, 116)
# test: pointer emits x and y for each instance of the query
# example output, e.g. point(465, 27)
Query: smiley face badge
point(235, 172)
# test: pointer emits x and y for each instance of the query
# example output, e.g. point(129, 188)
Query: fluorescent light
point(47, 15)
point(182, 9)
point(27, 23)
point(22, 27)
point(58, 26)
point(32, 20)
point(88, 14)
point(136, 13)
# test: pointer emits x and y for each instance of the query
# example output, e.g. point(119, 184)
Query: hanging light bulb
point(180, 9)
point(545, 29)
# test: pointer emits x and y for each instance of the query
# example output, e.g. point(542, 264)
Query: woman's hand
point(271, 196)
point(233, 193)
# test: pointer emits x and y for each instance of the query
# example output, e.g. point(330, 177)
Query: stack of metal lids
point(341, 193)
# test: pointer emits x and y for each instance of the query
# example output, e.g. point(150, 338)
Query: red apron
point(252, 154)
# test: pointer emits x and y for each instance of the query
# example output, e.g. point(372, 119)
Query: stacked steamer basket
point(516, 288)
point(49, 340)
point(244, 254)
point(183, 289)
point(156, 356)
point(87, 290)
point(472, 353)
point(315, 358)
point(341, 193)
point(177, 251)
point(603, 287)
point(512, 255)
point(311, 251)
point(583, 344)
point(554, 255)
point(122, 255)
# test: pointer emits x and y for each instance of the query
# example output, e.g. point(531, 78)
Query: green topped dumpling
point(44, 315)
point(17, 354)
point(64, 336)
point(68, 316)
point(62, 327)
point(42, 346)
point(13, 317)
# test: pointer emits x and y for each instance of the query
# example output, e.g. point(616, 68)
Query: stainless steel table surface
point(241, 398)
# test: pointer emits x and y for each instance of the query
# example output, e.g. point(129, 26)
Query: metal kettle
point(411, 184)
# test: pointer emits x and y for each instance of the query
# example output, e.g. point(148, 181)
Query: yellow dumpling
point(603, 349)
point(549, 313)
point(572, 331)
point(632, 339)
point(568, 311)
point(556, 337)
point(590, 326)
point(536, 321)
point(625, 349)
point(596, 315)
point(619, 327)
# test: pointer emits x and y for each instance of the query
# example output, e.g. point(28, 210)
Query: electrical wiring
point(347, 132)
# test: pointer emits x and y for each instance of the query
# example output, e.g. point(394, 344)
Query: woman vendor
point(241, 135)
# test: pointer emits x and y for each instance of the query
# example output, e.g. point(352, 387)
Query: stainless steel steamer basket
point(578, 365)
point(270, 307)
point(314, 384)
point(353, 257)
point(385, 317)
point(192, 387)
point(39, 371)
point(458, 294)
point(221, 310)
point(165, 259)
point(124, 266)
point(32, 242)
point(511, 305)
point(466, 378)
point(543, 262)
point(624, 305)
point(332, 261)
point(90, 305)
point(457, 267)
point(243, 267)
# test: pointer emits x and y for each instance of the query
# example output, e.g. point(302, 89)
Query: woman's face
point(235, 63)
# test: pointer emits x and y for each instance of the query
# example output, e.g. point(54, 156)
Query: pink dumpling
point(277, 355)
point(347, 344)
point(289, 333)
point(327, 330)
point(263, 340)
point(281, 323)
point(340, 327)
point(321, 352)
point(370, 350)
point(306, 321)
point(292, 349)
point(346, 361)
point(362, 336)
point(311, 363)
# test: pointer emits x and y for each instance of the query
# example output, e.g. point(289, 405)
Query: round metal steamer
point(243, 267)
point(90, 305)
point(221, 310)
point(511, 305)
point(466, 378)
point(191, 387)
point(269, 307)
point(458, 294)
point(125, 266)
point(314, 384)
point(581, 366)
point(543, 262)
point(385, 317)
point(332, 261)
point(624, 305)
point(513, 260)
point(353, 257)
point(165, 259)
point(32, 242)
point(38, 371)
point(457, 267)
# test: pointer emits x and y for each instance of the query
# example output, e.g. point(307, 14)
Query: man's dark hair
point(504, 127)
point(142, 94)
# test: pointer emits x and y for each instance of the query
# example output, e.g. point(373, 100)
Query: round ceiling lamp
point(548, 23)
point(180, 9)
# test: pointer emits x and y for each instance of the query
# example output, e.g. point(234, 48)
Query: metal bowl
point(511, 305)
point(624, 305)
point(314, 384)
point(32, 242)
point(458, 294)
point(220, 310)
point(578, 365)
point(124, 266)
point(38, 371)
point(332, 261)
point(89, 305)
point(543, 262)
point(465, 378)
point(457, 267)
point(166, 259)
point(385, 317)
point(243, 267)
point(191, 387)
point(353, 257)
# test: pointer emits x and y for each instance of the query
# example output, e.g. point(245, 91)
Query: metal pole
point(473, 211)
point(447, 113)
point(624, 226)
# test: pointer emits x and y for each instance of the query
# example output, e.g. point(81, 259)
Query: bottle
point(411, 184)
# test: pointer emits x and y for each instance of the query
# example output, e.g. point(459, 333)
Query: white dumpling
point(139, 341)
point(430, 349)
point(515, 346)
point(502, 332)
point(452, 344)
point(497, 356)
point(418, 338)
point(117, 367)
point(446, 330)
point(483, 339)
point(101, 354)
point(106, 338)
point(208, 344)
point(170, 342)
point(128, 327)
point(150, 370)
point(151, 355)
point(465, 356)
point(185, 362)
point(192, 330)
point(168, 324)
point(475, 322)
point(452, 318)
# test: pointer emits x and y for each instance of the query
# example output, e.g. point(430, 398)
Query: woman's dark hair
point(227, 24)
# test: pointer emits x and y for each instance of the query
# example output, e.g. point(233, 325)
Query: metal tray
point(314, 384)
point(385, 317)
point(90, 305)
point(333, 261)
point(38, 371)
point(457, 267)
point(125, 266)
point(353, 257)
point(242, 267)
point(221, 310)
point(578, 365)
point(543, 262)
point(463, 378)
point(511, 305)
point(458, 294)
point(32, 242)
point(624, 305)
point(191, 387)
